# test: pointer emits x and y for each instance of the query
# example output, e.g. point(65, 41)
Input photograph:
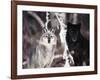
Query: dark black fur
point(77, 43)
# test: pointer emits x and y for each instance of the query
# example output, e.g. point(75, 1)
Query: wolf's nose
point(48, 40)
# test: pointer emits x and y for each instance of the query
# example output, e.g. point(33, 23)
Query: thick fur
point(44, 51)
point(77, 44)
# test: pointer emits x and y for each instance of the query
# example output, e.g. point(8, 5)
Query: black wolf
point(77, 44)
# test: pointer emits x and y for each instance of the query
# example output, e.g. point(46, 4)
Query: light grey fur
point(44, 51)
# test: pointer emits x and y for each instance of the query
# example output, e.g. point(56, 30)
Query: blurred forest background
point(32, 30)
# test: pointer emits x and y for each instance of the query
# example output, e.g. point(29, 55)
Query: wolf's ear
point(69, 25)
point(44, 30)
point(78, 26)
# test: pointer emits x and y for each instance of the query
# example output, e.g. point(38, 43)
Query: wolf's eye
point(51, 36)
point(45, 36)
